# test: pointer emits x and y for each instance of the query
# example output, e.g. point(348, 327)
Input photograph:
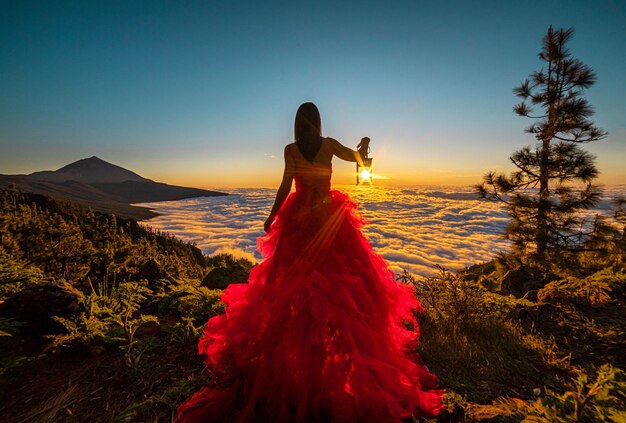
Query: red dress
point(317, 333)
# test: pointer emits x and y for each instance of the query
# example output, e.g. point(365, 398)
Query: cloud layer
point(413, 229)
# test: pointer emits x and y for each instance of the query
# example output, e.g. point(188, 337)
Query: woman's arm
point(283, 190)
point(345, 153)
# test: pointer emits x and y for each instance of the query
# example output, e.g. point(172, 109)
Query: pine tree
point(552, 182)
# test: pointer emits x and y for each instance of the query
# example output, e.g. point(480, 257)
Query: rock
point(37, 304)
point(221, 277)
point(518, 282)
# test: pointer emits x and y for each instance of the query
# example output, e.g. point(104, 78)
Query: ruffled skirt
point(321, 332)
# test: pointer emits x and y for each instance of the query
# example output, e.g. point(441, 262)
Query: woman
point(317, 333)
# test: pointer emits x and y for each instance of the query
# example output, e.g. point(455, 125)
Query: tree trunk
point(544, 203)
point(543, 208)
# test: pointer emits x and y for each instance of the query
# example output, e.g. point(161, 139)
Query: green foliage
point(194, 305)
point(474, 339)
point(607, 247)
point(485, 345)
point(454, 298)
point(228, 261)
point(132, 278)
point(16, 275)
point(68, 243)
point(110, 318)
point(599, 400)
point(468, 338)
point(85, 330)
point(191, 301)
point(129, 297)
point(598, 289)
point(183, 332)
point(447, 296)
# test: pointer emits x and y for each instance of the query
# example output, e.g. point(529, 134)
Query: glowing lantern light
point(364, 173)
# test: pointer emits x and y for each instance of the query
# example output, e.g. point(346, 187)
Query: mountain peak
point(89, 170)
point(94, 160)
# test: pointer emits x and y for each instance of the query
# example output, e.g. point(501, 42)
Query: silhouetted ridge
point(102, 186)
point(89, 170)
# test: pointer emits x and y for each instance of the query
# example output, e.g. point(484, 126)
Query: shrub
point(15, 275)
point(447, 296)
point(601, 400)
point(111, 318)
point(195, 302)
point(598, 289)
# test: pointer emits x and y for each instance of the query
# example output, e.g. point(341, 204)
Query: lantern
point(364, 173)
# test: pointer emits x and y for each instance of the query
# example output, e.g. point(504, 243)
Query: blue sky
point(204, 93)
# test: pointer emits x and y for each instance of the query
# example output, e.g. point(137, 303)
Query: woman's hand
point(268, 223)
point(363, 147)
point(284, 189)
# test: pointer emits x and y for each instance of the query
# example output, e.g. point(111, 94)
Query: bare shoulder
point(336, 146)
point(332, 143)
point(289, 148)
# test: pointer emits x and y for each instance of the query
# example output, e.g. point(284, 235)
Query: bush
point(602, 400)
point(598, 289)
point(15, 275)
point(190, 301)
point(447, 297)
point(110, 318)
point(454, 298)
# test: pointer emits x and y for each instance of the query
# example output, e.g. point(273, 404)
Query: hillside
point(506, 341)
point(102, 186)
point(145, 192)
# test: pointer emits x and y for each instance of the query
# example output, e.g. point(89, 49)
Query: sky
point(204, 93)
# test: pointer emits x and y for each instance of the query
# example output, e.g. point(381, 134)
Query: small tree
point(542, 199)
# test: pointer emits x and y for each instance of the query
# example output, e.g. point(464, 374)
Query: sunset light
point(238, 211)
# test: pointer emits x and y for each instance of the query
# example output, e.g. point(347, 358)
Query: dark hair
point(308, 130)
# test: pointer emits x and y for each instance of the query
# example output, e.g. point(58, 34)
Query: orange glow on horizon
point(419, 166)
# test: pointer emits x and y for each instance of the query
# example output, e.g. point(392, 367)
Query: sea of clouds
point(413, 228)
